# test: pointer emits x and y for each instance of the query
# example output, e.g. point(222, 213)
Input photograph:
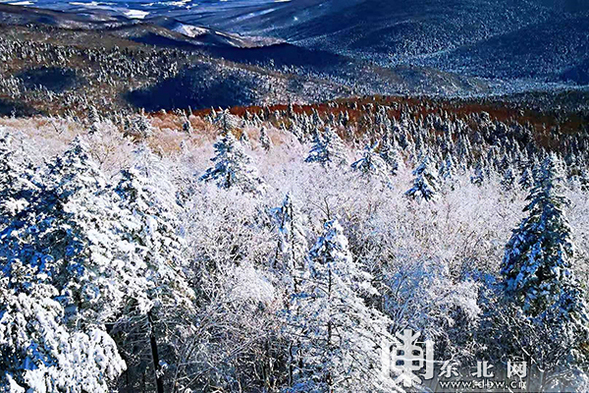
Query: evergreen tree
point(540, 282)
point(447, 172)
point(146, 191)
point(244, 139)
point(478, 177)
point(292, 243)
point(224, 120)
point(447, 169)
point(187, 125)
point(66, 243)
point(72, 234)
point(337, 334)
point(371, 164)
point(526, 179)
point(16, 181)
point(141, 125)
point(328, 149)
point(425, 185)
point(93, 116)
point(40, 352)
point(584, 179)
point(232, 167)
point(537, 266)
point(265, 139)
point(389, 152)
point(296, 130)
point(508, 178)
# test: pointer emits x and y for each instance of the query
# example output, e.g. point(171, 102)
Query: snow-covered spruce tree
point(583, 179)
point(336, 335)
point(539, 279)
point(426, 184)
point(16, 181)
point(77, 229)
point(40, 352)
point(447, 170)
point(371, 165)
point(224, 120)
point(327, 150)
point(93, 120)
point(478, 177)
point(244, 139)
point(265, 139)
point(537, 266)
point(297, 131)
point(508, 178)
point(187, 125)
point(526, 179)
point(390, 153)
point(292, 242)
point(147, 192)
point(93, 116)
point(66, 242)
point(232, 167)
point(141, 125)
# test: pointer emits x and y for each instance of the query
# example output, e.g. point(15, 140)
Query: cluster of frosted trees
point(282, 263)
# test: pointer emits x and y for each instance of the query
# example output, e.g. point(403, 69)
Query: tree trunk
point(159, 382)
point(290, 364)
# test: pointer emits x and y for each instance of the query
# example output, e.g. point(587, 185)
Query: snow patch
point(136, 14)
point(189, 30)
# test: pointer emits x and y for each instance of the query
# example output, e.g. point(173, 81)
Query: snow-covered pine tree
point(447, 169)
point(265, 139)
point(337, 335)
point(244, 139)
point(147, 192)
point(73, 235)
point(66, 240)
point(224, 120)
point(316, 154)
point(583, 179)
point(537, 266)
point(328, 149)
point(40, 352)
point(93, 116)
point(292, 242)
point(187, 125)
point(426, 184)
point(526, 179)
point(389, 152)
point(540, 282)
point(316, 120)
point(371, 165)
point(478, 177)
point(232, 167)
point(16, 180)
point(297, 131)
point(508, 178)
point(141, 125)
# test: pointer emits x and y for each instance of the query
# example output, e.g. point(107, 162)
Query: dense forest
point(277, 249)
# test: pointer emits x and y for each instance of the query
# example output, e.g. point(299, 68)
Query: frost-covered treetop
point(537, 266)
point(426, 183)
point(331, 253)
point(328, 149)
point(371, 164)
point(74, 171)
point(233, 167)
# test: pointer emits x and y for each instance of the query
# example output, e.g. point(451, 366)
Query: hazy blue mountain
point(543, 40)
